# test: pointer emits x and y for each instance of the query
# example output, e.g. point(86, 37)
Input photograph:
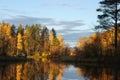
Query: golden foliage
point(60, 38)
point(18, 71)
point(51, 37)
point(81, 42)
point(7, 30)
point(19, 42)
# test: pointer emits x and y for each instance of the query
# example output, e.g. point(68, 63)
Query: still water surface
point(38, 70)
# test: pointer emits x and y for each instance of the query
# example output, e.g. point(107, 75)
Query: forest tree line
point(30, 40)
point(105, 42)
point(98, 44)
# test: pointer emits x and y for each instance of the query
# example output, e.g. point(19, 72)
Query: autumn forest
point(37, 41)
point(37, 51)
point(29, 41)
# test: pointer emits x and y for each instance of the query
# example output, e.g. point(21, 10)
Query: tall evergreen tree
point(54, 32)
point(110, 17)
point(45, 38)
point(20, 29)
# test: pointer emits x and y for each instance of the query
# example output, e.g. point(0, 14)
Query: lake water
point(47, 70)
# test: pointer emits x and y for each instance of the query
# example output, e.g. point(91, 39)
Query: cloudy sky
point(71, 18)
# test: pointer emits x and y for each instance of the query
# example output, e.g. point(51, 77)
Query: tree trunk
point(116, 14)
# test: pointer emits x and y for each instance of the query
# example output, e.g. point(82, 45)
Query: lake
point(47, 70)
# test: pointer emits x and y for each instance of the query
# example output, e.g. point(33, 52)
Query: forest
point(105, 43)
point(37, 41)
point(31, 40)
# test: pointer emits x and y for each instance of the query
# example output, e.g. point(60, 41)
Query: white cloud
point(45, 21)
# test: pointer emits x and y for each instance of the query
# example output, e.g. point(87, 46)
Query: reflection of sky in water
point(70, 73)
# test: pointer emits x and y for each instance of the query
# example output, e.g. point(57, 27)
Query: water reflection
point(32, 71)
point(38, 70)
point(100, 72)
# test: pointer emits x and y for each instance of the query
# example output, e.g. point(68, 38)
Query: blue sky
point(71, 18)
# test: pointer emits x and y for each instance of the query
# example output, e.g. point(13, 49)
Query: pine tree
point(109, 17)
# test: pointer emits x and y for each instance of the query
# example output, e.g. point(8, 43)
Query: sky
point(71, 18)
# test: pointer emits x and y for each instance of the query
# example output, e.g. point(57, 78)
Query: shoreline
point(97, 60)
point(13, 59)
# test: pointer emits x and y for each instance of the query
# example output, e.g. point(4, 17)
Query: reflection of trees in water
point(95, 73)
point(56, 71)
point(32, 71)
point(35, 71)
point(52, 71)
point(7, 72)
point(18, 71)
